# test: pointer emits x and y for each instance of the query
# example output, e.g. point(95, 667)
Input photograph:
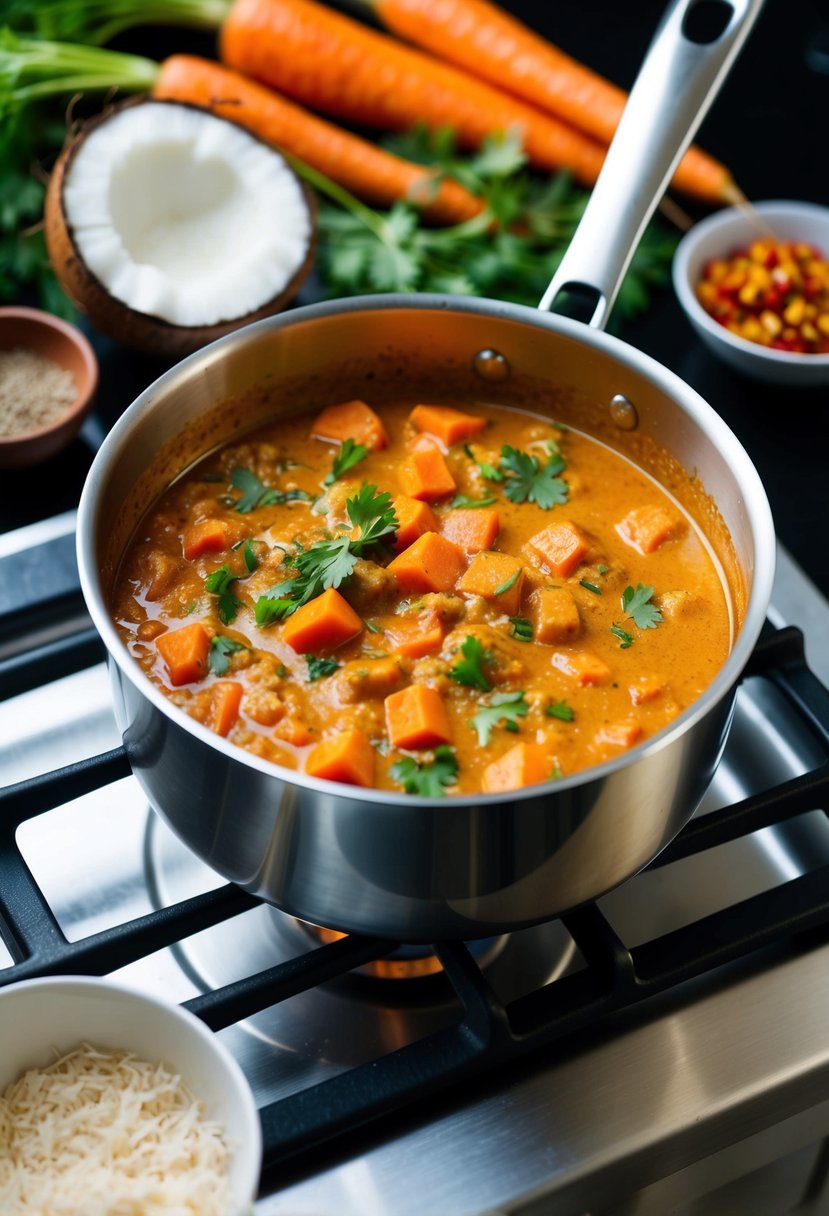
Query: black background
point(769, 125)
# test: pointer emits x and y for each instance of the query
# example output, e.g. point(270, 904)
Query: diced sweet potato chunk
point(586, 668)
point(351, 420)
point(498, 578)
point(416, 717)
point(225, 699)
point(560, 547)
point(413, 518)
point(207, 536)
point(322, 624)
point(448, 425)
point(185, 652)
point(555, 615)
point(646, 528)
point(621, 734)
point(347, 756)
point(432, 563)
point(524, 764)
point(425, 474)
point(363, 678)
point(646, 688)
point(472, 529)
point(414, 637)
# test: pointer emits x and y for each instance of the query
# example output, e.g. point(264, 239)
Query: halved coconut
point(169, 226)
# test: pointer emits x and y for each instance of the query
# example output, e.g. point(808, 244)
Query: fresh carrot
point(184, 652)
point(331, 63)
point(369, 172)
point(483, 39)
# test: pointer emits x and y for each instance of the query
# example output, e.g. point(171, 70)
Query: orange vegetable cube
point(347, 756)
point(585, 667)
point(185, 652)
point(416, 717)
point(323, 623)
point(225, 698)
point(646, 528)
point(472, 528)
point(413, 637)
point(524, 764)
point(362, 678)
point(560, 547)
point(448, 425)
point(646, 688)
point(621, 734)
point(498, 578)
point(208, 536)
point(554, 614)
point(425, 473)
point(413, 519)
point(351, 420)
point(432, 563)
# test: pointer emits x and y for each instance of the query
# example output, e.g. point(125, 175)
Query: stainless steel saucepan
point(411, 868)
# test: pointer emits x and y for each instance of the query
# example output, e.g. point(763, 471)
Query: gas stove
point(665, 1050)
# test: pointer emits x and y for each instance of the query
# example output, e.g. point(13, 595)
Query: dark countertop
point(767, 124)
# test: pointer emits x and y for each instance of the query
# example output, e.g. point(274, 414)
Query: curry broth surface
point(283, 713)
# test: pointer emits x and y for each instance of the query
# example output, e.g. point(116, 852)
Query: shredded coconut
point(103, 1133)
point(34, 391)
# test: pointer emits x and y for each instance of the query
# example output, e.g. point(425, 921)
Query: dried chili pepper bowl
point(720, 236)
point(39, 333)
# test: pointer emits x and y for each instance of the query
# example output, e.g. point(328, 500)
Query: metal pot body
point(367, 861)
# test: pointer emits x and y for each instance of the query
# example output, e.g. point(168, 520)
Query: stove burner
point(411, 962)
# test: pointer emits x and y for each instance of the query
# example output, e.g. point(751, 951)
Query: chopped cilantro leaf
point(462, 500)
point(220, 583)
point(625, 639)
point(488, 471)
point(522, 629)
point(530, 481)
point(506, 707)
point(256, 494)
point(509, 584)
point(350, 453)
point(470, 669)
point(590, 586)
point(251, 560)
point(560, 710)
point(371, 627)
point(220, 647)
point(427, 778)
point(317, 668)
point(636, 604)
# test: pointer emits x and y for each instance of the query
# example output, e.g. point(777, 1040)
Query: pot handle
point(677, 82)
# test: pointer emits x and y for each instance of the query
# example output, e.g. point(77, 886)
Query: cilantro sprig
point(328, 563)
point(256, 494)
point(428, 778)
point(561, 711)
point(318, 668)
point(464, 501)
point(349, 455)
point(637, 605)
point(529, 480)
point(503, 707)
point(625, 638)
point(489, 472)
point(469, 669)
point(221, 646)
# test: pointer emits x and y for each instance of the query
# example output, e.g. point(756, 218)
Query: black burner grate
point(615, 977)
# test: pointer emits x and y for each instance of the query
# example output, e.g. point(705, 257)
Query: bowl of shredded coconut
point(48, 381)
point(113, 1102)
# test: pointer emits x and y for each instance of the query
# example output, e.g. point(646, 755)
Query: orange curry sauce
point(571, 615)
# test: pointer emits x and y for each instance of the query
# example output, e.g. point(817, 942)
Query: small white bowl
point(39, 1017)
point(717, 237)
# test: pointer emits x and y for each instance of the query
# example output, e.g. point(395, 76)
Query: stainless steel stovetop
point(714, 1100)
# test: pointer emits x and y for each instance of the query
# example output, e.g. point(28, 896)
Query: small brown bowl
point(42, 334)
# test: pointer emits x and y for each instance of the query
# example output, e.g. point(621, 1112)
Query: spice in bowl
point(34, 391)
point(771, 292)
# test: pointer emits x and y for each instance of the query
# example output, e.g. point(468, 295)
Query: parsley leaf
point(328, 563)
point(427, 778)
point(220, 583)
point(220, 647)
point(636, 604)
point(560, 710)
point(530, 481)
point(317, 668)
point(625, 639)
point(506, 707)
point(350, 453)
point(470, 669)
point(256, 494)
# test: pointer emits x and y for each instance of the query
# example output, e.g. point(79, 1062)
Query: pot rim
point(747, 477)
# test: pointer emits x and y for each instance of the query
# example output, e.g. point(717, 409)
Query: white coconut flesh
point(185, 216)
